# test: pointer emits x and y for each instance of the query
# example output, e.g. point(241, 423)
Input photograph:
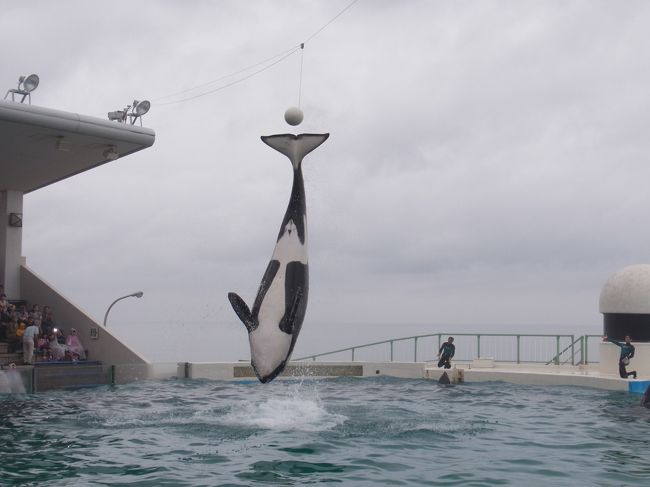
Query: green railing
point(515, 348)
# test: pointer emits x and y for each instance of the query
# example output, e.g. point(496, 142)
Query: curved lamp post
point(139, 294)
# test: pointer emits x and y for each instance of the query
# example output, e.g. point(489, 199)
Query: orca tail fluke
point(243, 312)
point(295, 147)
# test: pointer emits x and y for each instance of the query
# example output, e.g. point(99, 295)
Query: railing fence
point(519, 348)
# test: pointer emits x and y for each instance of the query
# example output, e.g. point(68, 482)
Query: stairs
point(8, 358)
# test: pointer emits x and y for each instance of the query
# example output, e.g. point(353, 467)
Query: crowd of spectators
point(36, 333)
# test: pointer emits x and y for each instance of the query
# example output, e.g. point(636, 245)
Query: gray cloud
point(487, 162)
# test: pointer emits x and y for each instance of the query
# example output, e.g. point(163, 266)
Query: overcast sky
point(487, 167)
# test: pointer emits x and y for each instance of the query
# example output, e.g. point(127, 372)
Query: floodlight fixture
point(30, 83)
point(131, 112)
point(139, 109)
point(26, 84)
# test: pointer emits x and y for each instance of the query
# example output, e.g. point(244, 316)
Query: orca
point(274, 322)
point(444, 379)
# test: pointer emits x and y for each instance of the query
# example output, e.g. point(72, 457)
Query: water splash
point(299, 407)
point(11, 382)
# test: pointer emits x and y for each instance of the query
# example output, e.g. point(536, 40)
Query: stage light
point(139, 109)
point(30, 83)
point(26, 84)
point(132, 112)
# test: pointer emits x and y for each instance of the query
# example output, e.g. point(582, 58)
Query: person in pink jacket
point(74, 345)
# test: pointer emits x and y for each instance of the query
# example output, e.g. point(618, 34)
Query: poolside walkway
point(484, 370)
point(480, 370)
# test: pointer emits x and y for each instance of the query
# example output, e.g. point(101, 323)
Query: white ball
point(293, 116)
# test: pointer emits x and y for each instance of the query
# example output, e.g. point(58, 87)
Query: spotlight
point(30, 83)
point(26, 84)
point(139, 109)
point(131, 112)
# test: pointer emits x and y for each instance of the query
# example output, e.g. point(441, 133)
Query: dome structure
point(625, 303)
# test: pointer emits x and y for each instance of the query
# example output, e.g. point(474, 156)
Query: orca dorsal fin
point(295, 147)
point(243, 312)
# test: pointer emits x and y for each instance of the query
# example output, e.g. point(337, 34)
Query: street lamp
point(139, 294)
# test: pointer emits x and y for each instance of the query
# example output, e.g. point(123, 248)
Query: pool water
point(358, 432)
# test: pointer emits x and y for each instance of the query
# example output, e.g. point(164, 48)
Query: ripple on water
point(363, 432)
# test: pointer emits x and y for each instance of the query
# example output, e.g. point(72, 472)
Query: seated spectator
point(20, 331)
point(42, 347)
point(47, 324)
point(6, 310)
point(12, 338)
point(57, 351)
point(23, 315)
point(74, 345)
point(35, 313)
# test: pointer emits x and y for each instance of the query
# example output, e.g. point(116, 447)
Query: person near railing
point(446, 352)
point(627, 352)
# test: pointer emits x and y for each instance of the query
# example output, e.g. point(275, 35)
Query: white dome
point(627, 291)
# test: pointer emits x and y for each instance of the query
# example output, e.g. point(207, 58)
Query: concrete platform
point(482, 370)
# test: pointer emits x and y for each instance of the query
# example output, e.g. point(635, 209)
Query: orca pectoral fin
point(287, 324)
point(244, 314)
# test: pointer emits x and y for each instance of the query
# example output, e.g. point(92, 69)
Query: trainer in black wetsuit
point(627, 352)
point(446, 352)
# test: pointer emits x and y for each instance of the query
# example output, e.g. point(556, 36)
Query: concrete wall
point(537, 378)
point(243, 370)
point(105, 348)
point(11, 239)
point(609, 354)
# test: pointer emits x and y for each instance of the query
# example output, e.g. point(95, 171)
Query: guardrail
point(516, 348)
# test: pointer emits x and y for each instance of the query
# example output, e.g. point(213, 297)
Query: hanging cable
point(228, 85)
point(302, 58)
point(243, 70)
point(332, 20)
point(278, 58)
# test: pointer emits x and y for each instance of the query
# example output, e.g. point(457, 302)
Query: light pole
point(139, 294)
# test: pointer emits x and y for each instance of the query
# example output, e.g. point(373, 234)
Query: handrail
point(556, 358)
point(581, 348)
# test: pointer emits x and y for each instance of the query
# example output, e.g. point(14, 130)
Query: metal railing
point(515, 348)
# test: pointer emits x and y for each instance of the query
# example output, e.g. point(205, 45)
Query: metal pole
point(391, 350)
point(478, 345)
point(557, 349)
point(353, 354)
point(415, 355)
point(586, 347)
point(518, 344)
point(573, 362)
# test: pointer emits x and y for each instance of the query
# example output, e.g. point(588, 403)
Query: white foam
point(11, 382)
point(297, 409)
